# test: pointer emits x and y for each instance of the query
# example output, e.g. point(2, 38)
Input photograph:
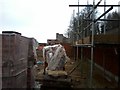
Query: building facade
point(62, 38)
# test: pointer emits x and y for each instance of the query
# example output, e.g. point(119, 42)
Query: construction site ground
point(81, 80)
point(78, 74)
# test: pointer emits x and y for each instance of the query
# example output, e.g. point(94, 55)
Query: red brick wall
point(105, 57)
point(69, 49)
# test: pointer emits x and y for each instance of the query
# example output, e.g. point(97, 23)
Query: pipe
point(93, 26)
point(78, 29)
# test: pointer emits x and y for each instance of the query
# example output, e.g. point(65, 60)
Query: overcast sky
point(40, 19)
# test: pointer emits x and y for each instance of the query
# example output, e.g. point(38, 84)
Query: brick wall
point(106, 57)
point(69, 49)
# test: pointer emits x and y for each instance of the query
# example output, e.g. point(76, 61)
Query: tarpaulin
point(55, 56)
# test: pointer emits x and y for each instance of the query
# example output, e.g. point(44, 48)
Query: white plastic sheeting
point(55, 56)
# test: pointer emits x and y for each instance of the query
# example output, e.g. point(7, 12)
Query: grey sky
point(40, 19)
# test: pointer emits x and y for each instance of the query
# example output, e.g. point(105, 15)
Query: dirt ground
point(79, 73)
point(81, 76)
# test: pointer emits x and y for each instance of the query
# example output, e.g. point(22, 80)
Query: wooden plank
point(108, 39)
point(57, 73)
point(87, 40)
point(80, 41)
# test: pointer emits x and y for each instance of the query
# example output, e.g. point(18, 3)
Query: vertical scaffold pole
point(104, 16)
point(92, 46)
point(82, 32)
point(78, 29)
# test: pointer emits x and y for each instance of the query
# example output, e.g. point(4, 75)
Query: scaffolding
point(92, 44)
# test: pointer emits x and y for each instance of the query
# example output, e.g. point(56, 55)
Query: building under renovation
point(89, 58)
